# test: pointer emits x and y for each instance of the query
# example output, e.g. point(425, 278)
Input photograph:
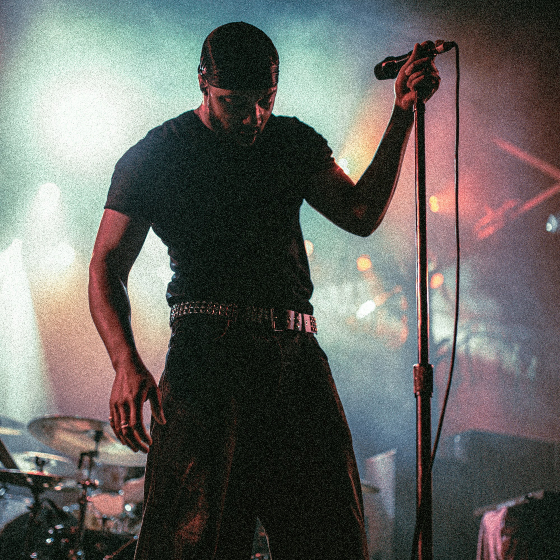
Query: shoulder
point(178, 129)
point(291, 126)
point(290, 131)
point(171, 132)
point(303, 147)
point(161, 142)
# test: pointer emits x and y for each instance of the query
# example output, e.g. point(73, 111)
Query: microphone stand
point(423, 371)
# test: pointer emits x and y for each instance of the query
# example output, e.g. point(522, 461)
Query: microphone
point(388, 68)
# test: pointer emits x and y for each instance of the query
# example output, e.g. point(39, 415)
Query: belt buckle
point(273, 321)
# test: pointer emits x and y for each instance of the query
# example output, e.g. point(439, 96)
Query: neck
point(202, 113)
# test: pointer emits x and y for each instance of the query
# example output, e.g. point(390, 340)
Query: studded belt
point(278, 320)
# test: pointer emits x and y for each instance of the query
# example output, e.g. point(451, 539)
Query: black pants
point(254, 428)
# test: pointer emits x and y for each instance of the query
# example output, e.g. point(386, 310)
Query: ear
point(203, 85)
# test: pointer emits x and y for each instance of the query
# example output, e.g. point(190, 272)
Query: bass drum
point(12, 506)
point(48, 537)
point(51, 537)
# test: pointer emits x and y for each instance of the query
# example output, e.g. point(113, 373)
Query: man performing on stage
point(248, 422)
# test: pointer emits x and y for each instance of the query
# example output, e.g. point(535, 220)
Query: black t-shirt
point(229, 216)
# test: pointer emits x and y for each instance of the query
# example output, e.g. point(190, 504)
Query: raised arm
point(118, 243)
point(359, 208)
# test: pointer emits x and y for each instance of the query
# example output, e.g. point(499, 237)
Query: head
point(238, 77)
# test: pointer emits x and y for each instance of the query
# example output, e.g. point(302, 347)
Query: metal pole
point(423, 371)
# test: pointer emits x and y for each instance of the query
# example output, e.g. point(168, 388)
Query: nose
point(254, 116)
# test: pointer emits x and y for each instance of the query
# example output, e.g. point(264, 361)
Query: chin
point(244, 141)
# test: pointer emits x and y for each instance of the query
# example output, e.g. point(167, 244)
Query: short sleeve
point(134, 178)
point(312, 153)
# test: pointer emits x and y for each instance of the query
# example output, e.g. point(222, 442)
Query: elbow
point(102, 275)
point(366, 225)
point(370, 222)
point(365, 230)
point(106, 287)
point(361, 228)
point(105, 266)
point(365, 233)
point(97, 269)
point(93, 271)
point(365, 221)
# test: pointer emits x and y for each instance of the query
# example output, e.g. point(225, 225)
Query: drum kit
point(84, 504)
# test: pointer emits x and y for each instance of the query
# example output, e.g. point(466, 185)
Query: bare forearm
point(110, 310)
point(117, 245)
point(377, 185)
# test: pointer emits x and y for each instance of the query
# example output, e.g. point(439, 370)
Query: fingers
point(115, 421)
point(131, 433)
point(135, 434)
point(429, 81)
point(126, 418)
point(420, 67)
point(124, 424)
point(419, 76)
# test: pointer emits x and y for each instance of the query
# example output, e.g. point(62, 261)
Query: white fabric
point(490, 535)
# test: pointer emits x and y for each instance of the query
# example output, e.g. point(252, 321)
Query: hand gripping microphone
point(388, 68)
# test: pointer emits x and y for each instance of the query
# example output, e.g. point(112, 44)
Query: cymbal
point(369, 488)
point(44, 462)
point(28, 479)
point(74, 436)
point(9, 431)
point(9, 427)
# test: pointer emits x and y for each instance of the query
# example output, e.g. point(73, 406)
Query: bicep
point(333, 194)
point(119, 241)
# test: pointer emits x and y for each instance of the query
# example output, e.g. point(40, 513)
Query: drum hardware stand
point(37, 482)
point(40, 463)
point(36, 491)
point(6, 458)
point(89, 458)
point(123, 548)
point(71, 435)
point(34, 511)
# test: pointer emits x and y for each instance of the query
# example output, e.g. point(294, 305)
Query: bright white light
point(49, 191)
point(83, 120)
point(9, 255)
point(58, 258)
point(343, 162)
point(552, 224)
point(46, 251)
point(48, 198)
point(164, 273)
point(25, 391)
point(365, 309)
point(81, 115)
